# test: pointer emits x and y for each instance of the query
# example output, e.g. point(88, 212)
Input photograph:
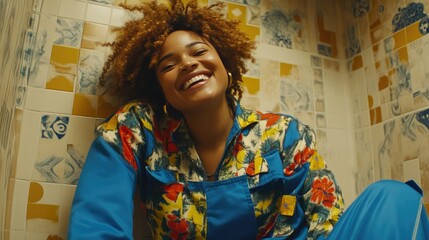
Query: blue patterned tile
point(47, 168)
point(280, 26)
point(90, 68)
point(423, 117)
point(353, 44)
point(424, 26)
point(68, 32)
point(252, 2)
point(54, 126)
point(73, 165)
point(360, 7)
point(405, 16)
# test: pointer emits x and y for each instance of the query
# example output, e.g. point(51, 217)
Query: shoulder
point(132, 117)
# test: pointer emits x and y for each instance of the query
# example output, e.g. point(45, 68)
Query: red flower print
point(270, 117)
point(250, 170)
point(299, 159)
point(264, 230)
point(238, 146)
point(178, 227)
point(173, 190)
point(289, 170)
point(127, 136)
point(302, 156)
point(323, 192)
point(164, 136)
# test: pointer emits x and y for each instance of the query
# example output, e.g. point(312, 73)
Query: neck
point(210, 126)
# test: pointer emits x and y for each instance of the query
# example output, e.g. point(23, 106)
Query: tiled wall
point(388, 53)
point(304, 68)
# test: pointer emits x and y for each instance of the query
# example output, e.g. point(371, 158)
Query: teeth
point(193, 80)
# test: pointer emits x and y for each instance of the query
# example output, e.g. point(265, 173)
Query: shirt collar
point(243, 119)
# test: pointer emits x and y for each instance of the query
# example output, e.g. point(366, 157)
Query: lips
point(194, 80)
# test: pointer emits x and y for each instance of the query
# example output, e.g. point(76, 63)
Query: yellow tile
point(64, 59)
point(357, 62)
point(94, 33)
point(43, 211)
point(376, 35)
point(85, 105)
point(106, 105)
point(376, 47)
point(400, 39)
point(236, 11)
point(251, 84)
point(375, 115)
point(413, 32)
point(37, 210)
point(331, 65)
point(374, 18)
point(383, 82)
point(35, 193)
point(252, 31)
point(326, 36)
point(403, 54)
point(61, 82)
point(287, 69)
point(370, 101)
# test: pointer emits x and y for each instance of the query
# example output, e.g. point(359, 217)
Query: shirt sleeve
point(322, 197)
point(103, 203)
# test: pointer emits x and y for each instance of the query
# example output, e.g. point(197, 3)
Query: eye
point(200, 52)
point(167, 67)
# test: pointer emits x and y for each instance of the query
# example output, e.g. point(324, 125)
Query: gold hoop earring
point(165, 109)
point(229, 79)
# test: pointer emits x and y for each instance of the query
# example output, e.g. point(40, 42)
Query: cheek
point(167, 83)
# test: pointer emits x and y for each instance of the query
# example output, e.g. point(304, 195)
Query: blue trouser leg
point(387, 209)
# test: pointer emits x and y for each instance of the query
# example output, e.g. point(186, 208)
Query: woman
point(205, 166)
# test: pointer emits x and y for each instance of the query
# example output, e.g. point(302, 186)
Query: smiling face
point(191, 73)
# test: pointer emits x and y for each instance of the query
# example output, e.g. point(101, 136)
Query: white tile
point(34, 98)
point(412, 171)
point(16, 235)
point(280, 54)
point(38, 75)
point(50, 197)
point(37, 4)
point(72, 9)
point(28, 144)
point(50, 7)
point(19, 205)
point(58, 102)
point(98, 14)
point(336, 120)
point(67, 195)
point(118, 17)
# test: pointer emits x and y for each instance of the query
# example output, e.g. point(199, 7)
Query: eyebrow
point(187, 46)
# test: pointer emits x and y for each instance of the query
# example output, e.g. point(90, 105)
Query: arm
point(103, 202)
point(322, 197)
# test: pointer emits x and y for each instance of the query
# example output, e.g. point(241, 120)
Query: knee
point(395, 188)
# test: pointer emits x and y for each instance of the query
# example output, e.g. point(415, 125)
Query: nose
point(188, 62)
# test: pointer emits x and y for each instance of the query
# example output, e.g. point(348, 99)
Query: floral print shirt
point(271, 182)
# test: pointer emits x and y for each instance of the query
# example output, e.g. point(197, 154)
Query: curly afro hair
point(129, 71)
